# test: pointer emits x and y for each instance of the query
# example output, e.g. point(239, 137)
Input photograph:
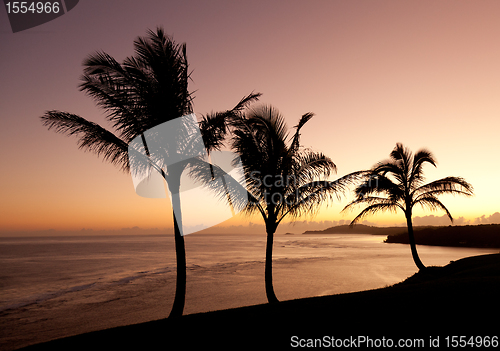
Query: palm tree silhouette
point(282, 178)
point(146, 90)
point(400, 182)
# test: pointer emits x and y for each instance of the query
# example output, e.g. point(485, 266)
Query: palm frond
point(432, 203)
point(296, 138)
point(246, 101)
point(307, 198)
point(371, 200)
point(403, 158)
point(390, 168)
point(422, 156)
point(101, 63)
point(92, 137)
point(309, 165)
point(269, 124)
point(374, 208)
point(374, 183)
point(403, 155)
point(447, 185)
point(220, 183)
point(213, 129)
point(147, 89)
point(214, 126)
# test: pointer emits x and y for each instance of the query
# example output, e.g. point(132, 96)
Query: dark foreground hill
point(461, 298)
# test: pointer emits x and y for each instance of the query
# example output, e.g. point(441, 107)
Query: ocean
point(57, 286)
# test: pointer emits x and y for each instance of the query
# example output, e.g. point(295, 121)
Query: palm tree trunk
point(413, 246)
point(180, 252)
point(268, 275)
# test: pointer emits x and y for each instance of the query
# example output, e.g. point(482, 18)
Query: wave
point(45, 296)
point(102, 283)
point(40, 298)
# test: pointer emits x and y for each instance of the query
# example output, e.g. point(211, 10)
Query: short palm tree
point(400, 183)
point(144, 91)
point(282, 178)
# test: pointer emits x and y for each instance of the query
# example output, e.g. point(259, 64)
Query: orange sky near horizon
point(424, 73)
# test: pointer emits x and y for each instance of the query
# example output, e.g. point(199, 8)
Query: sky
point(374, 73)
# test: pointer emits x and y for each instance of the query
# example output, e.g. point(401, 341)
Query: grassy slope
point(460, 298)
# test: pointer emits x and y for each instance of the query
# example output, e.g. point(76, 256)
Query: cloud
point(444, 220)
point(494, 218)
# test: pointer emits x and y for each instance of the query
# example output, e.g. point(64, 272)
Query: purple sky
point(425, 73)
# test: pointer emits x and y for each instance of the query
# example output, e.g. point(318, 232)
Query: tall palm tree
point(282, 178)
point(400, 183)
point(146, 90)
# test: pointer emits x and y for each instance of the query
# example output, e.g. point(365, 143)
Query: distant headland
point(482, 235)
point(360, 229)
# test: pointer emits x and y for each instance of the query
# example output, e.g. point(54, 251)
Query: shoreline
point(460, 297)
